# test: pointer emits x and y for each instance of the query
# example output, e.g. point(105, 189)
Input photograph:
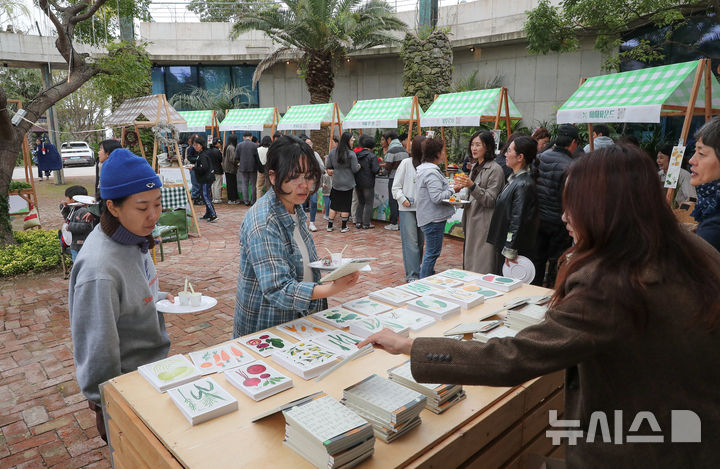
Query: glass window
point(214, 78)
point(242, 76)
point(158, 80)
point(180, 79)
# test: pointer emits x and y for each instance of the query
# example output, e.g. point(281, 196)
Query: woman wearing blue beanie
point(113, 284)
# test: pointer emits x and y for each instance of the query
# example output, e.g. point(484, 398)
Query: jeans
point(74, 254)
point(412, 244)
point(326, 205)
point(195, 191)
point(205, 190)
point(247, 186)
point(366, 197)
point(433, 233)
point(313, 207)
point(393, 204)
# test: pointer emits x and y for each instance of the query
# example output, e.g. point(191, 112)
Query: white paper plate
point(164, 306)
point(319, 265)
point(84, 199)
point(524, 270)
point(457, 202)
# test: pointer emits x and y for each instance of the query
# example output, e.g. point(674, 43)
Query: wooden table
point(493, 427)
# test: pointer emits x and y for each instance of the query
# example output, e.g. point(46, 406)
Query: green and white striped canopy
point(307, 117)
point(197, 121)
point(378, 113)
point(636, 96)
point(465, 109)
point(253, 119)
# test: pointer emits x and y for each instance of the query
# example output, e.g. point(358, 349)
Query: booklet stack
point(258, 380)
point(306, 359)
point(519, 319)
point(341, 342)
point(391, 408)
point(466, 299)
point(434, 307)
point(202, 400)
point(498, 332)
point(440, 397)
point(366, 327)
point(497, 282)
point(169, 372)
point(392, 296)
point(328, 434)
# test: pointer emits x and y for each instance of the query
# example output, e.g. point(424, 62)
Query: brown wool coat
point(610, 366)
point(478, 254)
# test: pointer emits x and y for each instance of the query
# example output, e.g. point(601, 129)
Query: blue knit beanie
point(125, 174)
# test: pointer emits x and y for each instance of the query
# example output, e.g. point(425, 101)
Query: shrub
point(18, 186)
point(36, 250)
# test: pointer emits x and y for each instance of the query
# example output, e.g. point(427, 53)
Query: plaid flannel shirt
point(271, 289)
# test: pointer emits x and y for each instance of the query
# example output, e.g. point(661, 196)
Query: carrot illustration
point(224, 356)
point(217, 358)
point(292, 328)
point(206, 365)
point(236, 352)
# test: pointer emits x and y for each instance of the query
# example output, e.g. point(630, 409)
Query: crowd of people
point(595, 224)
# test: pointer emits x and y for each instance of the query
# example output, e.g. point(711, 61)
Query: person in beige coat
point(485, 183)
point(634, 321)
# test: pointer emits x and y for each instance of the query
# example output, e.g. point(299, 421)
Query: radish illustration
point(249, 382)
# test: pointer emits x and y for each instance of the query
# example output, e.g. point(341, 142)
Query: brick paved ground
point(44, 420)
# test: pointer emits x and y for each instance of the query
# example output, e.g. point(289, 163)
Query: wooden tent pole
point(276, 120)
point(187, 191)
point(122, 137)
point(142, 148)
point(410, 125)
point(417, 114)
point(708, 90)
point(689, 111)
point(507, 113)
point(590, 136)
point(337, 116)
point(444, 149)
point(499, 111)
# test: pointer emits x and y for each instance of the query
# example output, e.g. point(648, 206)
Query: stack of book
point(434, 307)
point(366, 327)
point(202, 400)
point(391, 408)
point(306, 359)
point(464, 298)
point(498, 282)
point(258, 380)
point(169, 372)
point(328, 434)
point(520, 318)
point(440, 397)
point(392, 296)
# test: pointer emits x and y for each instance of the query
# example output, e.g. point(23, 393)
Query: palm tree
point(228, 97)
point(319, 34)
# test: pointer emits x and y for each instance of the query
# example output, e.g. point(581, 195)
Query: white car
point(73, 153)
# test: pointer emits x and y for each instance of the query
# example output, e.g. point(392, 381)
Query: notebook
point(306, 359)
point(412, 319)
point(302, 328)
point(258, 380)
point(264, 343)
point(367, 306)
point(337, 317)
point(169, 372)
point(202, 400)
point(392, 296)
point(220, 358)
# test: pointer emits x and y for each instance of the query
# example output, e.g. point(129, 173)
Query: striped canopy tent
point(642, 95)
point(252, 119)
point(470, 108)
point(155, 109)
point(197, 121)
point(311, 117)
point(385, 113)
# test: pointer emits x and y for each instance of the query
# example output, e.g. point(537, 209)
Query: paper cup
point(336, 259)
point(184, 298)
point(195, 299)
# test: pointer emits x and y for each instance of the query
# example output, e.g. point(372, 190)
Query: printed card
point(372, 324)
point(219, 358)
point(498, 282)
point(202, 400)
point(258, 380)
point(458, 274)
point(302, 328)
point(433, 307)
point(169, 372)
point(486, 292)
point(442, 281)
point(367, 306)
point(462, 297)
point(340, 342)
point(264, 343)
point(415, 321)
point(338, 317)
point(393, 296)
point(419, 288)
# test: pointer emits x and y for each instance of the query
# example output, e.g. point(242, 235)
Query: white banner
point(639, 114)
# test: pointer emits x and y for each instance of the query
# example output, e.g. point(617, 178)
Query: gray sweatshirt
point(432, 187)
point(343, 174)
point(115, 326)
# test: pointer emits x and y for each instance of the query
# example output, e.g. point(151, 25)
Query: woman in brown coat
point(634, 320)
point(485, 183)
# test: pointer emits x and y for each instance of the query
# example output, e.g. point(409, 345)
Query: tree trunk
point(320, 81)
point(9, 149)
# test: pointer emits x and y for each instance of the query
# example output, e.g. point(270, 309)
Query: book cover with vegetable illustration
point(306, 359)
point(367, 306)
point(486, 292)
point(462, 297)
point(202, 400)
point(340, 342)
point(460, 275)
point(393, 296)
point(264, 343)
point(220, 358)
point(338, 317)
point(169, 372)
point(442, 281)
point(435, 307)
point(258, 380)
point(370, 325)
point(419, 288)
point(496, 281)
point(412, 319)
point(302, 328)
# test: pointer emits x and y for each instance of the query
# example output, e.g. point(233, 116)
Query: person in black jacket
point(514, 222)
point(365, 181)
point(216, 157)
point(190, 159)
point(552, 237)
point(248, 161)
point(203, 170)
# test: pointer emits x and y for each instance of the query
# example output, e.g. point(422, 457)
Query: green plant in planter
point(18, 186)
point(36, 250)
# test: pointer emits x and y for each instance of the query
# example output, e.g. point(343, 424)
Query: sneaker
point(326, 217)
point(312, 226)
point(329, 228)
point(345, 230)
point(358, 225)
point(368, 227)
point(217, 201)
point(211, 218)
point(392, 227)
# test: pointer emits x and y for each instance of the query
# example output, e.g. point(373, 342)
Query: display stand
point(156, 110)
point(644, 96)
point(28, 195)
point(469, 109)
point(492, 427)
point(313, 117)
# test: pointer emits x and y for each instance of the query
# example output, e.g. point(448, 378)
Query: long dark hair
point(416, 150)
point(343, 147)
point(527, 146)
point(488, 142)
point(617, 209)
point(284, 159)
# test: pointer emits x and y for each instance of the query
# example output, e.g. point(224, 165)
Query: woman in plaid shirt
point(275, 282)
